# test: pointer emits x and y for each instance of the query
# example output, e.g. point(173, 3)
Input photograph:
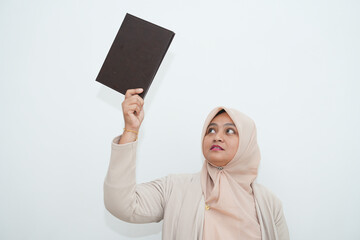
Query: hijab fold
point(230, 206)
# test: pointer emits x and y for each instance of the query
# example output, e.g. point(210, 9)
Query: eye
point(230, 131)
point(211, 130)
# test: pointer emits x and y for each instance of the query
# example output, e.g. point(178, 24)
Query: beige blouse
point(176, 199)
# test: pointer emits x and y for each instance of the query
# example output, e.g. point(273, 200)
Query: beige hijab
point(230, 205)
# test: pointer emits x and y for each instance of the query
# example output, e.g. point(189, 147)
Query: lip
point(216, 148)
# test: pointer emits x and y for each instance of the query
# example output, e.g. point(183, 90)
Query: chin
point(217, 162)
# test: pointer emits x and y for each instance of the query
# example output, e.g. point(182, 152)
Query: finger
point(134, 112)
point(135, 99)
point(134, 108)
point(131, 92)
point(141, 100)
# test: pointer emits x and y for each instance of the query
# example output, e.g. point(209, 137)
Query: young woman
point(220, 202)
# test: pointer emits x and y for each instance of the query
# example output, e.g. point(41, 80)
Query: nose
point(218, 137)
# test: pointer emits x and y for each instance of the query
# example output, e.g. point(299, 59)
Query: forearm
point(120, 180)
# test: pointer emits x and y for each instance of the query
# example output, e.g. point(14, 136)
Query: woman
point(220, 202)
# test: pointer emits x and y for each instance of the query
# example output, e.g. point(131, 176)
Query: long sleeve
point(123, 198)
point(280, 223)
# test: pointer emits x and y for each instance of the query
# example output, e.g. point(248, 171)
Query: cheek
point(234, 145)
point(205, 143)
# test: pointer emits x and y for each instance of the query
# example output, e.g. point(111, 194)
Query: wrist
point(136, 132)
point(128, 136)
point(131, 128)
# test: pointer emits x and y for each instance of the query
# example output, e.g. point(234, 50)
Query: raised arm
point(128, 201)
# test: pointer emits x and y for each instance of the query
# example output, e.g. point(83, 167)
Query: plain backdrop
point(293, 66)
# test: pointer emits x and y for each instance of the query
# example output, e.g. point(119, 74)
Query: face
point(221, 140)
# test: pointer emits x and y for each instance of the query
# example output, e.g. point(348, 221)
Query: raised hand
point(133, 113)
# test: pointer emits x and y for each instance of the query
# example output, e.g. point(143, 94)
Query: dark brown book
point(135, 55)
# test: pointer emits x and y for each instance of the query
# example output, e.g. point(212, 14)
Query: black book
point(135, 55)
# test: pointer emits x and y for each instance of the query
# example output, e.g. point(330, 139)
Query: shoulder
point(261, 189)
point(180, 185)
point(183, 182)
point(264, 196)
point(271, 212)
point(185, 178)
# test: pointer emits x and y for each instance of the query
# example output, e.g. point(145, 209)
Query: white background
point(293, 66)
